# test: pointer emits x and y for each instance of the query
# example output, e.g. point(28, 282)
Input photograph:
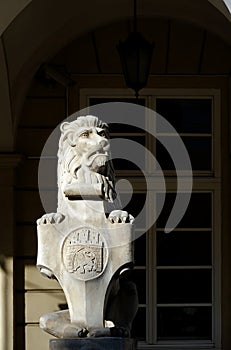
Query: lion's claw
point(120, 216)
point(52, 218)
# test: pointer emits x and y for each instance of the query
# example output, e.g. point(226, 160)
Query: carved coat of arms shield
point(85, 253)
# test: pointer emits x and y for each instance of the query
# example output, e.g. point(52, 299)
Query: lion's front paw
point(100, 332)
point(120, 216)
point(52, 218)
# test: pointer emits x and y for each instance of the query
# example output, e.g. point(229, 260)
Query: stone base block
point(106, 343)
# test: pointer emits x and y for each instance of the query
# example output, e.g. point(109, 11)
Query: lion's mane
point(69, 160)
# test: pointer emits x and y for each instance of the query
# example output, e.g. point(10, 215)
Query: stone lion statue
point(85, 173)
point(84, 158)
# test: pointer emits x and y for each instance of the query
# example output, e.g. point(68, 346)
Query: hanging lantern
point(136, 57)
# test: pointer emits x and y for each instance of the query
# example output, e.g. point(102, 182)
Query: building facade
point(56, 59)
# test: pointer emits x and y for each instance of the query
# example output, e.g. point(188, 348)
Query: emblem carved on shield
point(85, 253)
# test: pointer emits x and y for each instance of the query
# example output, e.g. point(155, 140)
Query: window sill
point(183, 346)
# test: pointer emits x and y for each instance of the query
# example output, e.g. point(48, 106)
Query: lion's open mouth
point(97, 152)
point(97, 159)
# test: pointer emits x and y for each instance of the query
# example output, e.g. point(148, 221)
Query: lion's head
point(84, 152)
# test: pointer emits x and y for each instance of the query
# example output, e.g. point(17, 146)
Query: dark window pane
point(198, 213)
point(139, 277)
point(139, 325)
point(184, 286)
point(198, 148)
point(200, 152)
point(186, 115)
point(164, 159)
point(123, 164)
point(140, 251)
point(135, 205)
point(124, 128)
point(138, 139)
point(184, 323)
point(184, 248)
point(121, 128)
point(129, 162)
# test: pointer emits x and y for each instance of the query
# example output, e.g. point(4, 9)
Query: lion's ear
point(64, 126)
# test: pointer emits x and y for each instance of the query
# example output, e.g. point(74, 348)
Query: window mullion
point(151, 274)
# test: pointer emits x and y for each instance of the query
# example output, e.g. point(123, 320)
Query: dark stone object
point(106, 343)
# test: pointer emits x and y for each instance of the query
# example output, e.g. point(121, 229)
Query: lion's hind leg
point(58, 324)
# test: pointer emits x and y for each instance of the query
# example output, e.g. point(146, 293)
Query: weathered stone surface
point(85, 246)
point(108, 343)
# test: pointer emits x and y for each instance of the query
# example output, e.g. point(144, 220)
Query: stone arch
point(33, 33)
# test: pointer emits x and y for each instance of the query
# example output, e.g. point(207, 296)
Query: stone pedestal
point(106, 343)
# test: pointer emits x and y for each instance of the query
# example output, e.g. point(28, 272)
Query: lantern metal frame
point(136, 57)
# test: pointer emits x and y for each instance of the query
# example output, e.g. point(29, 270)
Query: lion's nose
point(103, 143)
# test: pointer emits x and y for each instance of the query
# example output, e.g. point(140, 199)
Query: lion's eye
point(84, 134)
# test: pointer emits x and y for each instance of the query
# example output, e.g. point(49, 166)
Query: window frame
point(204, 181)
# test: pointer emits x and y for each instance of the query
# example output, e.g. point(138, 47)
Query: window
point(192, 118)
point(177, 274)
point(184, 273)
